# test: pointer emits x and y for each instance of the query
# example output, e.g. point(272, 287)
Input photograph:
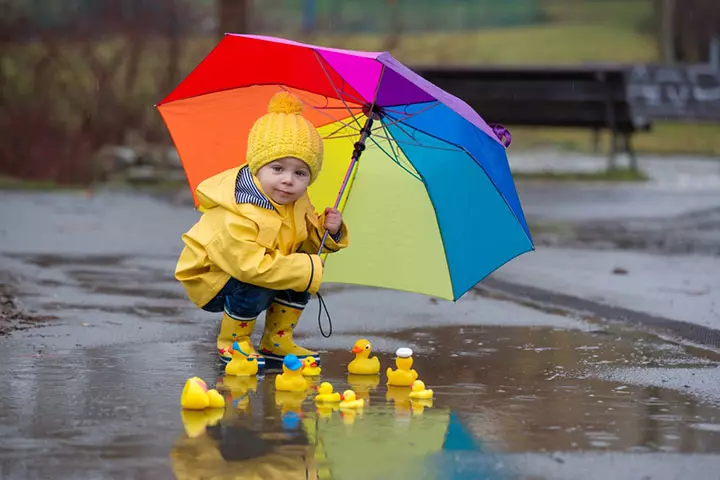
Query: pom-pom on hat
point(284, 132)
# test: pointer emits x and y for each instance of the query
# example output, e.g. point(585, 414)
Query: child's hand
point(333, 220)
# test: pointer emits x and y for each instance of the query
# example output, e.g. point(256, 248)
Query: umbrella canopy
point(431, 204)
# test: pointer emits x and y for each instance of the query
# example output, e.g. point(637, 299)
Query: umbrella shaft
point(357, 151)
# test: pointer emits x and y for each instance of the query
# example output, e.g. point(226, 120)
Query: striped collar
point(247, 192)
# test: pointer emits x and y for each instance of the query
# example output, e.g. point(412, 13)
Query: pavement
point(650, 248)
point(533, 378)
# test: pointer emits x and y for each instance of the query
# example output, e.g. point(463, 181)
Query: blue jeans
point(243, 300)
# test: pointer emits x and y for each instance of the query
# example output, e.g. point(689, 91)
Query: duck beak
point(313, 364)
point(342, 397)
point(356, 349)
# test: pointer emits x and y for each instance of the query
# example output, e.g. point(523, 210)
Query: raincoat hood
point(230, 189)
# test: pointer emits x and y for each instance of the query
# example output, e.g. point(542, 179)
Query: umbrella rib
point(399, 125)
point(317, 57)
point(340, 128)
point(354, 98)
point(424, 109)
point(387, 133)
point(396, 161)
point(400, 142)
point(372, 107)
point(397, 157)
point(461, 149)
point(322, 112)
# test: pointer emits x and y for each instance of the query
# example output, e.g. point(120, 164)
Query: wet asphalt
point(520, 391)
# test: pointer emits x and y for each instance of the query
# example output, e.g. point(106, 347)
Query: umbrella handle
point(357, 151)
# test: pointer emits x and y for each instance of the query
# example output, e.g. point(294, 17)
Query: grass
point(13, 183)
point(564, 44)
point(628, 13)
point(540, 44)
point(665, 138)
point(577, 32)
point(613, 175)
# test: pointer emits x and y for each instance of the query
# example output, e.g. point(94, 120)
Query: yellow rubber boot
point(277, 340)
point(239, 330)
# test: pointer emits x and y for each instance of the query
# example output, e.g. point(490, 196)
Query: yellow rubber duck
point(363, 364)
point(348, 400)
point(404, 376)
point(400, 396)
point(237, 386)
point(419, 392)
point(290, 401)
point(325, 410)
point(239, 389)
point(196, 396)
point(326, 394)
point(195, 422)
point(348, 415)
point(419, 405)
point(241, 364)
point(362, 385)
point(291, 380)
point(310, 367)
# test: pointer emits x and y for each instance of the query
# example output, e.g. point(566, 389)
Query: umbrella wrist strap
point(322, 306)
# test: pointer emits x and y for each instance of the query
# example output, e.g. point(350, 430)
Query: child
point(255, 246)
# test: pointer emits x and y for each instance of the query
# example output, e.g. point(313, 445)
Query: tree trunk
point(233, 16)
point(695, 23)
point(667, 14)
point(392, 40)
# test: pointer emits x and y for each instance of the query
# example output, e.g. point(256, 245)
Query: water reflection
point(274, 434)
point(526, 390)
point(517, 390)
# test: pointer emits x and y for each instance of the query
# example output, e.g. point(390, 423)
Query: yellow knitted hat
point(284, 132)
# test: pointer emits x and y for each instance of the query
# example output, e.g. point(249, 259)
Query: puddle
point(535, 391)
point(497, 405)
point(541, 396)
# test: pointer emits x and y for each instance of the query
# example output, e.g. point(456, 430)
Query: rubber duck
point(196, 396)
point(400, 396)
point(326, 394)
point(239, 389)
point(362, 385)
point(195, 422)
point(363, 364)
point(241, 364)
point(290, 401)
point(404, 376)
point(310, 367)
point(291, 380)
point(419, 392)
point(237, 386)
point(325, 410)
point(348, 415)
point(348, 400)
point(419, 405)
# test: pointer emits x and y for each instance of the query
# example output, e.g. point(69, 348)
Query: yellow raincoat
point(272, 246)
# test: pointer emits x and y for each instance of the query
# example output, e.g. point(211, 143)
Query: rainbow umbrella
point(422, 180)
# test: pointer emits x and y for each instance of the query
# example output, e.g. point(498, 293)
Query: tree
point(233, 16)
point(685, 29)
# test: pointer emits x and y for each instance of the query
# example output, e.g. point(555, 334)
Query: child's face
point(284, 180)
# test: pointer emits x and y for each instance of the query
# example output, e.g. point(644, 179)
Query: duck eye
point(367, 347)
